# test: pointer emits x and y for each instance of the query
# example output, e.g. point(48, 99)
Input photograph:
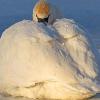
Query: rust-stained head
point(42, 9)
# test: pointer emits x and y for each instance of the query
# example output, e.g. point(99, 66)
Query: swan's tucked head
point(41, 11)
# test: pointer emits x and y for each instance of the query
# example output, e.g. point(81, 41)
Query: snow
point(48, 61)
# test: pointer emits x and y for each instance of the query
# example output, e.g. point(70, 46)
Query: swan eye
point(42, 19)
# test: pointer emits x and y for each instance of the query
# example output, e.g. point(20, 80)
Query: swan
point(46, 12)
point(55, 60)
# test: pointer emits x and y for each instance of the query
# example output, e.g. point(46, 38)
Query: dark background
point(85, 12)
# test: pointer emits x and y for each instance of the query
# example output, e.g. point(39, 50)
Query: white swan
point(43, 61)
point(44, 10)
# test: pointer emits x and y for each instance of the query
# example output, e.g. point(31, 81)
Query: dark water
point(85, 12)
point(6, 22)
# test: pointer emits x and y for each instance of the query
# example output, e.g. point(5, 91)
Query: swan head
point(41, 11)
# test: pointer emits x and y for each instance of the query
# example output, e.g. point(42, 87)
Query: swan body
point(55, 62)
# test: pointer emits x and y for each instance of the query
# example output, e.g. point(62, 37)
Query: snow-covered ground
point(85, 12)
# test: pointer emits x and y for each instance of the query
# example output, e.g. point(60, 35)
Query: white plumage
point(38, 61)
point(54, 62)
